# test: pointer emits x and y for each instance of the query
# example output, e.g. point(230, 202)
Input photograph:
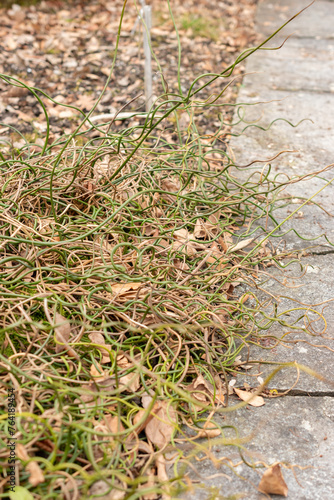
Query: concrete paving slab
point(310, 229)
point(313, 343)
point(315, 137)
point(316, 21)
point(293, 430)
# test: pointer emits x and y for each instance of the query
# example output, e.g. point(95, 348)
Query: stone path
point(297, 429)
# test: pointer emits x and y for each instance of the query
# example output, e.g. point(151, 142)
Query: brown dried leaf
point(36, 475)
point(214, 218)
point(25, 117)
point(170, 185)
point(121, 288)
point(273, 483)
point(209, 431)
point(199, 231)
point(142, 418)
point(130, 382)
point(163, 476)
point(160, 428)
point(150, 484)
point(98, 374)
point(87, 400)
point(122, 361)
point(200, 386)
point(246, 396)
point(85, 101)
point(114, 424)
point(217, 257)
point(102, 489)
point(161, 468)
point(146, 400)
point(16, 92)
point(179, 264)
point(237, 361)
point(182, 243)
point(98, 338)
point(62, 335)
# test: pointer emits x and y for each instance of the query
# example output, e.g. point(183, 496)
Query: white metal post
point(146, 15)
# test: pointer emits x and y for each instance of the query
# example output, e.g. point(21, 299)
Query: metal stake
point(147, 24)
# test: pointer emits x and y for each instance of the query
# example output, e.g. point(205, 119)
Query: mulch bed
point(66, 50)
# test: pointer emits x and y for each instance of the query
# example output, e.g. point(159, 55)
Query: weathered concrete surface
point(317, 21)
point(314, 138)
point(302, 295)
point(294, 430)
point(308, 66)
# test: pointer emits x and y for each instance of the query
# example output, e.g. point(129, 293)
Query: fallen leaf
point(170, 185)
point(160, 428)
point(88, 400)
point(217, 257)
point(246, 396)
point(146, 400)
point(25, 117)
point(85, 101)
point(240, 245)
point(102, 489)
point(183, 243)
point(114, 424)
point(36, 475)
point(122, 361)
point(199, 231)
point(237, 361)
point(62, 335)
point(150, 484)
point(209, 431)
point(163, 476)
point(97, 374)
point(273, 483)
point(121, 288)
point(130, 382)
point(16, 92)
point(140, 421)
point(205, 392)
point(214, 218)
point(98, 338)
point(143, 417)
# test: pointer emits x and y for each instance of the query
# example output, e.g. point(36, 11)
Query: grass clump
point(200, 26)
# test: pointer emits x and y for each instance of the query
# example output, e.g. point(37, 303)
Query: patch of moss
point(5, 351)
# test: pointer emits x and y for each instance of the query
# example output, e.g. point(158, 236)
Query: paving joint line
point(301, 393)
point(325, 252)
point(310, 91)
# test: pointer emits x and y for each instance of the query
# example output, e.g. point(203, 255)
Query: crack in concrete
point(314, 394)
point(325, 252)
